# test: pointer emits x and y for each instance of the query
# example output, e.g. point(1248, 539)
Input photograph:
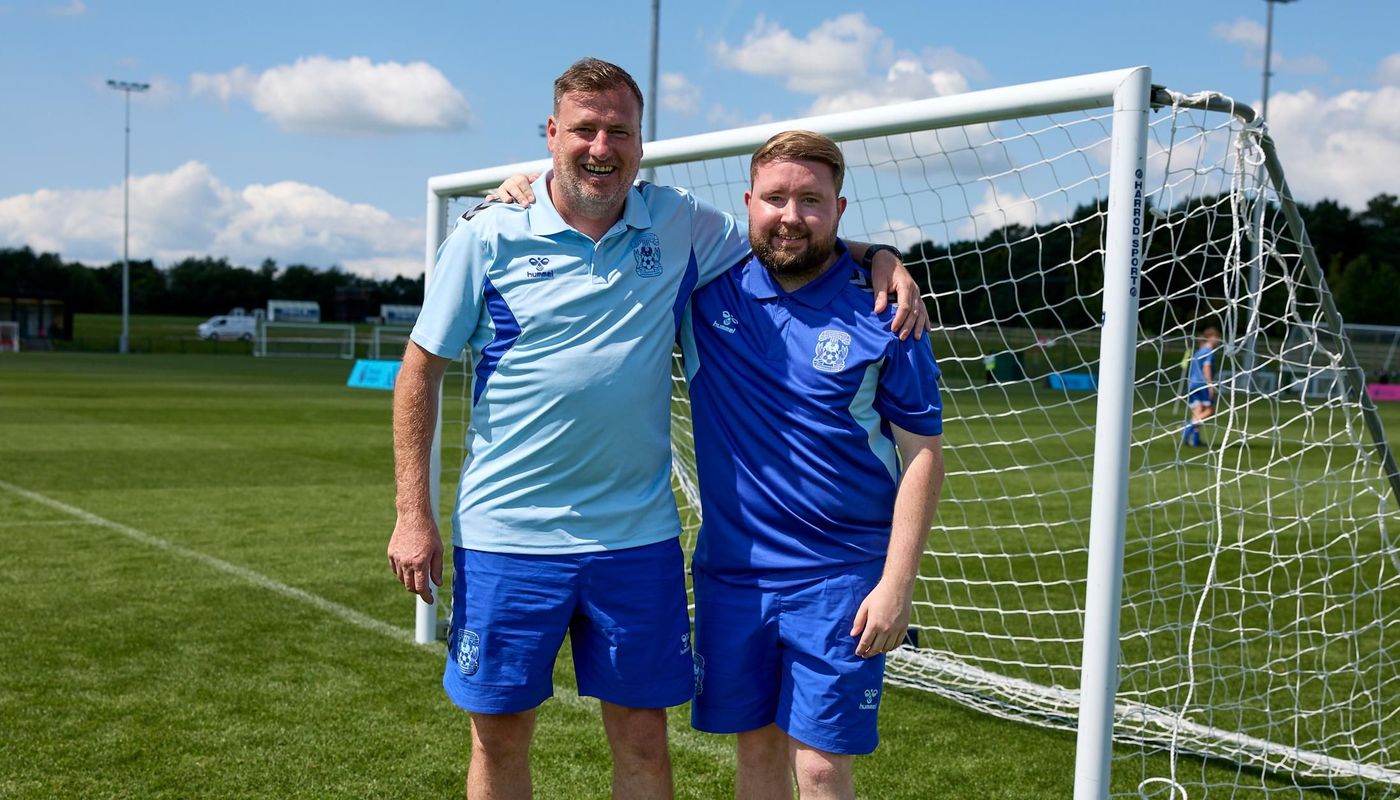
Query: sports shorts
point(787, 656)
point(1199, 397)
point(624, 611)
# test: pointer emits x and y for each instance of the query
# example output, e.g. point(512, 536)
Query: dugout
point(43, 318)
point(1010, 367)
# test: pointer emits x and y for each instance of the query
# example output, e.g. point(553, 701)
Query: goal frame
point(260, 343)
point(1131, 96)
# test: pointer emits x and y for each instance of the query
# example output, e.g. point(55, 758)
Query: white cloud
point(75, 8)
point(679, 94)
point(722, 116)
point(1388, 73)
point(897, 232)
point(1242, 31)
point(1250, 35)
point(998, 209)
point(189, 211)
point(350, 96)
point(1346, 146)
point(847, 63)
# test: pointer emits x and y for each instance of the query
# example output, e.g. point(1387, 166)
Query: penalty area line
point(344, 613)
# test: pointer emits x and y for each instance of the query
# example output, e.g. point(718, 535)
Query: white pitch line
point(680, 737)
point(331, 607)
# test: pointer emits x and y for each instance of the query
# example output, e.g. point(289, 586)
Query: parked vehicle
point(228, 327)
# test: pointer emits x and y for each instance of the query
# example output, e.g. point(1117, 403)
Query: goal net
point(388, 341)
point(305, 340)
point(1258, 645)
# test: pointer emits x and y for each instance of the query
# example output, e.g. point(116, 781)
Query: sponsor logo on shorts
point(685, 643)
point(872, 700)
point(468, 652)
point(699, 662)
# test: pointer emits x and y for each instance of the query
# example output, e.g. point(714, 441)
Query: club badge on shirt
point(647, 250)
point(832, 348)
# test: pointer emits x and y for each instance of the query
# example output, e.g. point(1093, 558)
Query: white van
point(228, 327)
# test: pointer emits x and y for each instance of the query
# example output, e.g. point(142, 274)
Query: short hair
point(800, 146)
point(594, 75)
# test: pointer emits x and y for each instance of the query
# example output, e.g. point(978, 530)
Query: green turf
point(131, 670)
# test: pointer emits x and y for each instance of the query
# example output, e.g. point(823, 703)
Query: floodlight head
point(128, 86)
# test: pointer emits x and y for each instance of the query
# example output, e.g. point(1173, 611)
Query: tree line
point(1050, 277)
point(198, 286)
point(1037, 277)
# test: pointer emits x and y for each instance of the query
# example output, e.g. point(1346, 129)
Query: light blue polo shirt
point(793, 395)
point(569, 445)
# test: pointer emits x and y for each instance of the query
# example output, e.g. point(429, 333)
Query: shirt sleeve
point(907, 394)
point(717, 238)
point(453, 298)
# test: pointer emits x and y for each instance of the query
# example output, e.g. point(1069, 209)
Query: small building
point(42, 317)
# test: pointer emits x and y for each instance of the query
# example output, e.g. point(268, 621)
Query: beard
point(789, 265)
point(594, 202)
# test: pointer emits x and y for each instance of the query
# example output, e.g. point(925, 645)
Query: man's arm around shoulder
point(883, 616)
point(415, 549)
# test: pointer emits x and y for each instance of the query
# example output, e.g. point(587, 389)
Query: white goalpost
point(388, 341)
point(9, 336)
point(304, 340)
point(1180, 607)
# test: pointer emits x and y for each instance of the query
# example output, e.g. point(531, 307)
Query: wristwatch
point(868, 260)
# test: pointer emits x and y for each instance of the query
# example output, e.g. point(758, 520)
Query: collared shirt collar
point(817, 293)
point(545, 219)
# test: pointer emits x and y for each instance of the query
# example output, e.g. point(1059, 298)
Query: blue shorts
point(1199, 397)
point(624, 610)
point(786, 656)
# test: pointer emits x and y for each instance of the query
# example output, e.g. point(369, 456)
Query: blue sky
point(305, 131)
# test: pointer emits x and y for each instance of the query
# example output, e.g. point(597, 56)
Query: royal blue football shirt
point(793, 395)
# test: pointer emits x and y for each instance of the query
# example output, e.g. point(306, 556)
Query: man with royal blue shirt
point(565, 522)
point(1200, 385)
point(818, 444)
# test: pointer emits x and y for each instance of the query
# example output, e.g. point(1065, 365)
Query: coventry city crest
point(832, 348)
point(468, 651)
point(647, 250)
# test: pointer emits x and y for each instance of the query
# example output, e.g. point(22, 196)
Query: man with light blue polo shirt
point(818, 441)
point(565, 521)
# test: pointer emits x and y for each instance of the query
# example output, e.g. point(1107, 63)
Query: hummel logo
point(871, 696)
point(537, 267)
point(727, 322)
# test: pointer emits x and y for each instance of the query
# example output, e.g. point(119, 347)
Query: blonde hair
point(800, 146)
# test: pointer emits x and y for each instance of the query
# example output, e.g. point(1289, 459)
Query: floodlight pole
point(1268, 54)
point(127, 87)
point(649, 133)
point(1256, 256)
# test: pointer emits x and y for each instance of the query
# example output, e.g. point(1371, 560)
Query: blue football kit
point(569, 443)
point(793, 396)
point(1197, 387)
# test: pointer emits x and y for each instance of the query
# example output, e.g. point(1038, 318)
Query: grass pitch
point(198, 605)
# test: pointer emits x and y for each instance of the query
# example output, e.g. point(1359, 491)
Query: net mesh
point(305, 340)
point(1261, 597)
